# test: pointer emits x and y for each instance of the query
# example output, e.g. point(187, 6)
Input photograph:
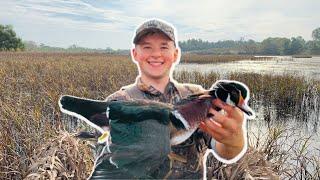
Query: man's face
point(155, 55)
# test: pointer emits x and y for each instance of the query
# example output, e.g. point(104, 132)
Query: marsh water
point(269, 115)
point(307, 67)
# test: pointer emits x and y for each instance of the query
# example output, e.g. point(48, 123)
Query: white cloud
point(211, 20)
point(47, 12)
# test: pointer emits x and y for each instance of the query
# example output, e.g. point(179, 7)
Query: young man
point(156, 52)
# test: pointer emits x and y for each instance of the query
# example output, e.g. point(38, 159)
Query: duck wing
point(194, 110)
point(140, 136)
point(190, 112)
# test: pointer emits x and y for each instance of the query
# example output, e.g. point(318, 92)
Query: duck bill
point(244, 107)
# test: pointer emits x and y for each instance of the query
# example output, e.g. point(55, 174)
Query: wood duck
point(138, 130)
point(195, 108)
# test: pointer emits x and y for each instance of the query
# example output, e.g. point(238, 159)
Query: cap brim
point(144, 32)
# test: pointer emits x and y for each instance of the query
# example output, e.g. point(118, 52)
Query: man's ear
point(134, 53)
point(176, 55)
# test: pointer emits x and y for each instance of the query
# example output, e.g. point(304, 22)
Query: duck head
point(233, 93)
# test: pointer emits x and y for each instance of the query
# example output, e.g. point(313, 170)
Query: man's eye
point(146, 47)
point(164, 47)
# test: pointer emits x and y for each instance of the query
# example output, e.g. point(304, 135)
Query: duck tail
point(91, 111)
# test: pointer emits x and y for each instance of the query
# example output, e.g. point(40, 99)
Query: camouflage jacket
point(186, 157)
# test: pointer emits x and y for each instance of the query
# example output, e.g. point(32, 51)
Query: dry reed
point(205, 59)
point(31, 84)
point(62, 157)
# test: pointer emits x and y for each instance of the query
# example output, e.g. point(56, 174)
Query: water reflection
point(308, 67)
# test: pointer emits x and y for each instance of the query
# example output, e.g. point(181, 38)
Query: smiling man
point(156, 52)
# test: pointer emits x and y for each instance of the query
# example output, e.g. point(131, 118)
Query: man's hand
point(226, 129)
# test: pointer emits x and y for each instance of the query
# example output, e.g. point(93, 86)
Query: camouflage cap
point(154, 25)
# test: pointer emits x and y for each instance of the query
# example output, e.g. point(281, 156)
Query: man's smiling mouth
point(155, 63)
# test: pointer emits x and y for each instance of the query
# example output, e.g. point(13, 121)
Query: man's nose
point(156, 52)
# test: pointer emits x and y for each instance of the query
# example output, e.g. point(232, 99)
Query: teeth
point(156, 63)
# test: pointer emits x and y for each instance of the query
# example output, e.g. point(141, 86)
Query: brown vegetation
point(31, 84)
point(62, 157)
point(209, 58)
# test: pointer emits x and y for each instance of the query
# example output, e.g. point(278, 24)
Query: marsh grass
point(63, 156)
point(206, 59)
point(290, 159)
point(31, 84)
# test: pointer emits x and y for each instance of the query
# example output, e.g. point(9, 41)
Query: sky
point(111, 23)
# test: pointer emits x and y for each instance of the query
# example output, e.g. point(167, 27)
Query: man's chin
point(157, 76)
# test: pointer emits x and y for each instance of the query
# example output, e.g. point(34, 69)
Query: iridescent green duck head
point(233, 93)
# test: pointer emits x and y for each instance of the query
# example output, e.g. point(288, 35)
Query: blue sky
point(111, 23)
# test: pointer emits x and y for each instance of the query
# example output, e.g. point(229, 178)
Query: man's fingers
point(217, 102)
point(210, 123)
point(226, 123)
point(232, 111)
point(214, 130)
point(203, 127)
point(217, 116)
point(214, 127)
point(221, 119)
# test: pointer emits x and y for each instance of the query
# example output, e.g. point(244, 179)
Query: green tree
point(316, 34)
point(269, 47)
point(275, 46)
point(314, 46)
point(286, 47)
point(297, 45)
point(8, 39)
point(250, 47)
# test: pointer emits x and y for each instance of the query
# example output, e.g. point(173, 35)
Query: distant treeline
point(32, 46)
point(269, 46)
